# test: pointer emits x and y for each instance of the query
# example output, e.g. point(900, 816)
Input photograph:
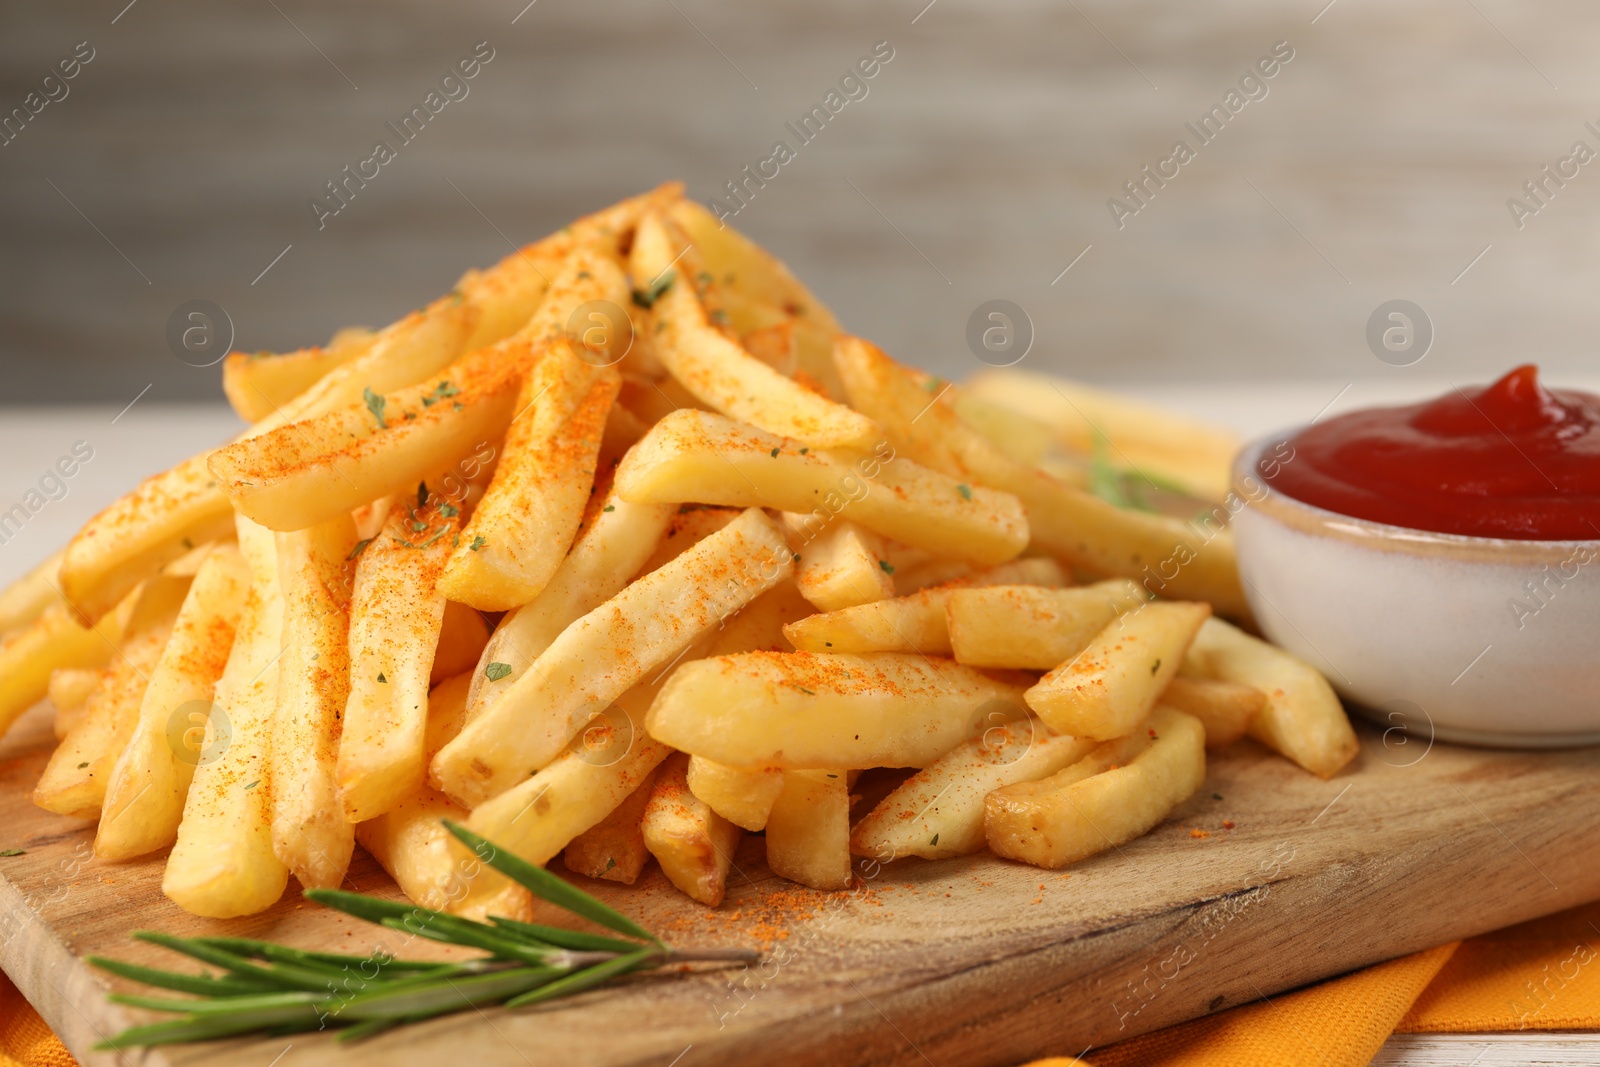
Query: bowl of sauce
point(1440, 561)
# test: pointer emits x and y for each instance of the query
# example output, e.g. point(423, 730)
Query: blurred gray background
point(979, 165)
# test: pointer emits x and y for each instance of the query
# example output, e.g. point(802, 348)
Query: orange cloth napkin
point(25, 1041)
point(1522, 977)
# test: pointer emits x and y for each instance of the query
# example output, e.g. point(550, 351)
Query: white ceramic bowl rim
point(1245, 463)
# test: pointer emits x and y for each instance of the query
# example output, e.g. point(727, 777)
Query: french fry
point(613, 543)
point(150, 780)
point(410, 840)
point(259, 383)
point(463, 635)
point(752, 280)
point(714, 367)
point(915, 623)
point(74, 781)
point(25, 599)
point(938, 812)
point(396, 613)
point(527, 519)
point(223, 864)
point(309, 833)
point(693, 844)
point(742, 795)
point(316, 470)
point(541, 815)
point(803, 710)
point(1225, 709)
point(1303, 719)
point(608, 651)
point(1171, 557)
point(614, 848)
point(69, 690)
point(841, 565)
point(1033, 628)
point(696, 457)
point(1193, 454)
point(808, 831)
point(1111, 796)
point(1109, 687)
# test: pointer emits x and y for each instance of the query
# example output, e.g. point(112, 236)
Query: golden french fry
point(750, 281)
point(841, 564)
point(1110, 686)
point(608, 651)
point(1170, 556)
point(309, 833)
point(742, 795)
point(396, 614)
point(25, 599)
point(1113, 795)
point(693, 844)
point(612, 545)
point(543, 814)
point(1193, 454)
point(915, 623)
point(614, 848)
point(410, 840)
point(463, 635)
point(938, 812)
point(696, 457)
point(316, 470)
point(714, 367)
point(804, 710)
point(69, 690)
point(527, 519)
point(1303, 719)
point(223, 864)
point(1032, 628)
point(259, 383)
point(148, 784)
point(74, 781)
point(1225, 709)
point(808, 830)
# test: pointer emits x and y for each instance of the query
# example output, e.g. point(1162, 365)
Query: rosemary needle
point(265, 988)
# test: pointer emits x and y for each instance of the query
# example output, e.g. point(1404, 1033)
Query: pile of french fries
point(620, 550)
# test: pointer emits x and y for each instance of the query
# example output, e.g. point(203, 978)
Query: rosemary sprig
point(262, 987)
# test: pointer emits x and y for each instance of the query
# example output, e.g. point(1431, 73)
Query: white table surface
point(134, 443)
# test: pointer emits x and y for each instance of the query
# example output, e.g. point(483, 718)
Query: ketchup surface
point(1512, 460)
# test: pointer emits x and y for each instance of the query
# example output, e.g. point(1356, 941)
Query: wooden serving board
point(973, 961)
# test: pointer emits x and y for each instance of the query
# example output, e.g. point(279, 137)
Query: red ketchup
point(1512, 460)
